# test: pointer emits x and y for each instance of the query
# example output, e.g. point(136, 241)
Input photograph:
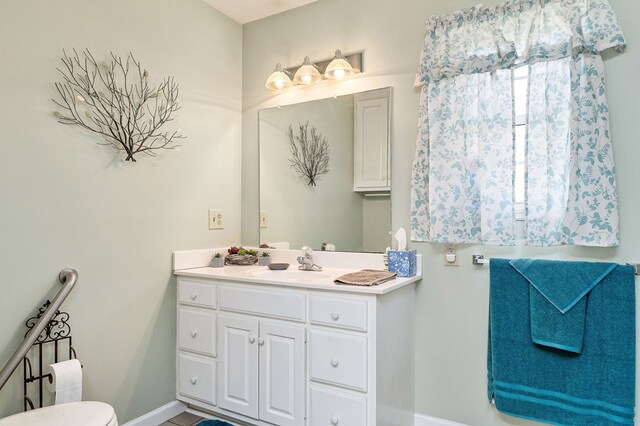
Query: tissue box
point(403, 262)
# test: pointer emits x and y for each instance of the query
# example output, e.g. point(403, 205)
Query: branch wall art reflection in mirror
point(309, 153)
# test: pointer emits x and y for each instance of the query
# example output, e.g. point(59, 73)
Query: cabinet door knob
point(335, 316)
point(194, 333)
point(334, 362)
point(252, 339)
point(334, 420)
point(194, 296)
point(194, 380)
point(260, 341)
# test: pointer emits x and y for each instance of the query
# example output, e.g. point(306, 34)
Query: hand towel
point(558, 298)
point(366, 277)
point(594, 387)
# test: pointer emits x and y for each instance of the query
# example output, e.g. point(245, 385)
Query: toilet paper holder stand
point(54, 344)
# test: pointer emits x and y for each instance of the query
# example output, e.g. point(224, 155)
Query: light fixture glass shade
point(339, 68)
point(307, 73)
point(278, 79)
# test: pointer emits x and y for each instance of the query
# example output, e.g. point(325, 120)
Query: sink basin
point(291, 275)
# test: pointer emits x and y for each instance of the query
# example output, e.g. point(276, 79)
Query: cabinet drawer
point(337, 408)
point(197, 377)
point(199, 294)
point(339, 358)
point(339, 312)
point(271, 303)
point(196, 330)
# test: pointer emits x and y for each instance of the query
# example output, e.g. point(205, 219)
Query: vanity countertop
point(194, 263)
point(292, 277)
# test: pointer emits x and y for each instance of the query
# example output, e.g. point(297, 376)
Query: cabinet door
point(371, 141)
point(238, 365)
point(282, 381)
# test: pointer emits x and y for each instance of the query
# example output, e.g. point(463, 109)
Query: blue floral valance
point(485, 39)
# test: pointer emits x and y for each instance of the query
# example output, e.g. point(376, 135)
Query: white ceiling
point(244, 11)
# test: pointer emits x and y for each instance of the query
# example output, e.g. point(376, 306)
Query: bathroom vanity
point(292, 347)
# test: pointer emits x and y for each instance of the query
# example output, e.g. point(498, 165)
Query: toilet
point(85, 413)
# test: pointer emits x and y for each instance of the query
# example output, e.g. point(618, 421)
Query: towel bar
point(479, 260)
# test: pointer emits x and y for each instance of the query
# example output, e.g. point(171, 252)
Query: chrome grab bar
point(68, 278)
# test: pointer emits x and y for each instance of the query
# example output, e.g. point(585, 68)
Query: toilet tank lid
point(85, 413)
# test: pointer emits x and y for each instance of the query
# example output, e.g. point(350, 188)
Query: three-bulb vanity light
point(338, 68)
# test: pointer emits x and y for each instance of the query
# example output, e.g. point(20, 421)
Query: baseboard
point(422, 420)
point(172, 409)
point(159, 415)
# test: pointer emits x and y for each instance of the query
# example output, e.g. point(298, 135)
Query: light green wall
point(68, 202)
point(451, 302)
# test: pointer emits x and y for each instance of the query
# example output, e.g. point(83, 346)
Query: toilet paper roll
point(66, 381)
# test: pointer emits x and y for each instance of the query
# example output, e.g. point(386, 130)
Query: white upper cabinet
point(372, 171)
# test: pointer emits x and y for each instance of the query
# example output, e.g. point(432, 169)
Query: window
point(520, 88)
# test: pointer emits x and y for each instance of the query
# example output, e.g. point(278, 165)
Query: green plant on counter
point(217, 255)
point(264, 254)
point(242, 251)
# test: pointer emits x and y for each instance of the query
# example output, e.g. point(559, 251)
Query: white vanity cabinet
point(286, 355)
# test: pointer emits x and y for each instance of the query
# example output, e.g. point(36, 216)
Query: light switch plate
point(263, 218)
point(216, 219)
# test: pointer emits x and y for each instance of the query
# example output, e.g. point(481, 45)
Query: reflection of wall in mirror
point(376, 220)
point(298, 213)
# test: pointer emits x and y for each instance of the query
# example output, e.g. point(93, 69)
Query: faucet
point(306, 260)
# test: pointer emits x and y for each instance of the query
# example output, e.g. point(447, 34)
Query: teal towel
point(558, 298)
point(594, 387)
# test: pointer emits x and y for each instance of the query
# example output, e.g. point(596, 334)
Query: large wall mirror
point(343, 198)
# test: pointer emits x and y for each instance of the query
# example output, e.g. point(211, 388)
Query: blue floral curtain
point(462, 184)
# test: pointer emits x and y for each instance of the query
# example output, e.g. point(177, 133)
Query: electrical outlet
point(263, 218)
point(216, 219)
point(451, 255)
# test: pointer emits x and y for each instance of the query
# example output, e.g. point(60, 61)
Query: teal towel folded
point(594, 387)
point(550, 327)
point(558, 298)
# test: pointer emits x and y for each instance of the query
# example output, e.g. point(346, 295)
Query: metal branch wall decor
point(114, 100)
point(309, 153)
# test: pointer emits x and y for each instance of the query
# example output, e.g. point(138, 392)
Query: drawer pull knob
point(194, 333)
point(252, 339)
point(260, 341)
point(335, 316)
point(334, 420)
point(334, 362)
point(194, 380)
point(194, 296)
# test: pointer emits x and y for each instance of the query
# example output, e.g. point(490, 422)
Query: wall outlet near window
point(263, 218)
point(451, 255)
point(216, 219)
